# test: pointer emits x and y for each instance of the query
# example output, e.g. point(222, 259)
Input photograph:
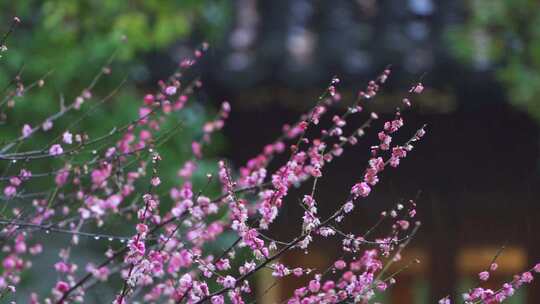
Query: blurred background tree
point(503, 37)
point(72, 40)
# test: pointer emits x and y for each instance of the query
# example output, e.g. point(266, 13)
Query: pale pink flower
point(217, 300)
point(61, 177)
point(445, 301)
point(149, 99)
point(55, 150)
point(361, 189)
point(47, 125)
point(229, 282)
point(170, 90)
point(142, 228)
point(314, 286)
point(340, 264)
point(67, 138)
point(155, 181)
point(484, 275)
point(10, 191)
point(417, 89)
point(62, 286)
point(527, 277)
point(15, 181)
point(196, 149)
point(26, 130)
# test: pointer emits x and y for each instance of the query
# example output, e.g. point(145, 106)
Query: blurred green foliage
point(505, 34)
point(73, 40)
